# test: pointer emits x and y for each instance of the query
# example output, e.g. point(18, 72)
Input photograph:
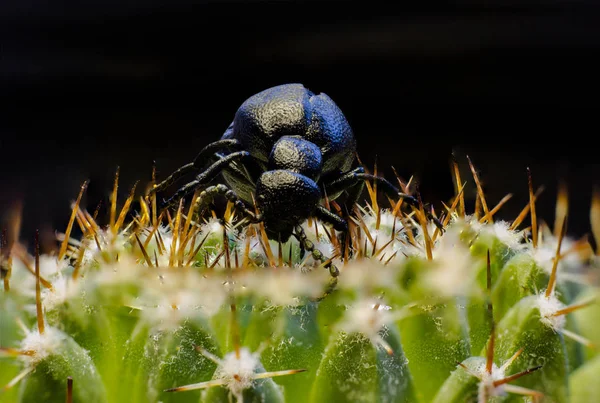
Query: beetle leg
point(393, 190)
point(349, 182)
point(354, 193)
point(240, 173)
point(206, 196)
point(316, 254)
point(302, 250)
point(172, 178)
point(356, 176)
point(198, 162)
point(205, 177)
point(338, 223)
point(217, 146)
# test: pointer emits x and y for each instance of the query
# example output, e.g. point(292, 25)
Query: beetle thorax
point(296, 154)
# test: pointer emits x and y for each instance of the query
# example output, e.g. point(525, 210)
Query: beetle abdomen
point(293, 110)
point(331, 131)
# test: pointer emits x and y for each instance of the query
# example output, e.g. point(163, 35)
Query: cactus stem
point(12, 352)
point(526, 209)
point(578, 338)
point(9, 240)
point(160, 244)
point(480, 191)
point(193, 235)
point(423, 221)
point(235, 329)
point(125, 209)
point(450, 212)
point(574, 307)
point(146, 257)
point(534, 227)
point(69, 398)
point(515, 376)
point(18, 378)
point(82, 220)
point(113, 200)
point(153, 195)
point(63, 247)
point(235, 371)
point(562, 206)
point(152, 232)
point(369, 318)
point(195, 252)
point(264, 239)
point(552, 280)
point(169, 219)
point(195, 386)
point(24, 258)
point(459, 194)
point(38, 288)
point(490, 215)
point(390, 258)
point(361, 222)
point(490, 350)
point(217, 258)
point(192, 210)
point(175, 234)
point(579, 246)
point(5, 266)
point(509, 362)
point(226, 249)
point(519, 390)
point(495, 383)
point(145, 219)
point(374, 195)
point(273, 374)
point(371, 192)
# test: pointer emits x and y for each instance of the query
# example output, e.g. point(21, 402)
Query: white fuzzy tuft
point(284, 286)
point(238, 373)
point(512, 239)
point(453, 272)
point(41, 345)
point(487, 381)
point(367, 275)
point(548, 307)
point(63, 288)
point(170, 298)
point(369, 317)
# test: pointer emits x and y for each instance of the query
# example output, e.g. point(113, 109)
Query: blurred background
point(94, 84)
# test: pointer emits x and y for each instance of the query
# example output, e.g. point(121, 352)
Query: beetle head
point(285, 199)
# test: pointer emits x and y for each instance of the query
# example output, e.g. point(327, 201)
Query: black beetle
point(286, 149)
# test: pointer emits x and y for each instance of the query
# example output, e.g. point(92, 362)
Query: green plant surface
point(196, 306)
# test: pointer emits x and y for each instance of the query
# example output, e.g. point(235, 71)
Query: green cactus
point(193, 307)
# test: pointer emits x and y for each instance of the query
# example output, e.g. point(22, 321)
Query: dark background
point(93, 85)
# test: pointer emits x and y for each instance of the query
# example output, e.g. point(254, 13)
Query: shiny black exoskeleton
point(285, 151)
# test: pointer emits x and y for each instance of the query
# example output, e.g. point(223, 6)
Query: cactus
point(195, 306)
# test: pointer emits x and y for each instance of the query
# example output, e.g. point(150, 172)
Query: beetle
point(286, 149)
